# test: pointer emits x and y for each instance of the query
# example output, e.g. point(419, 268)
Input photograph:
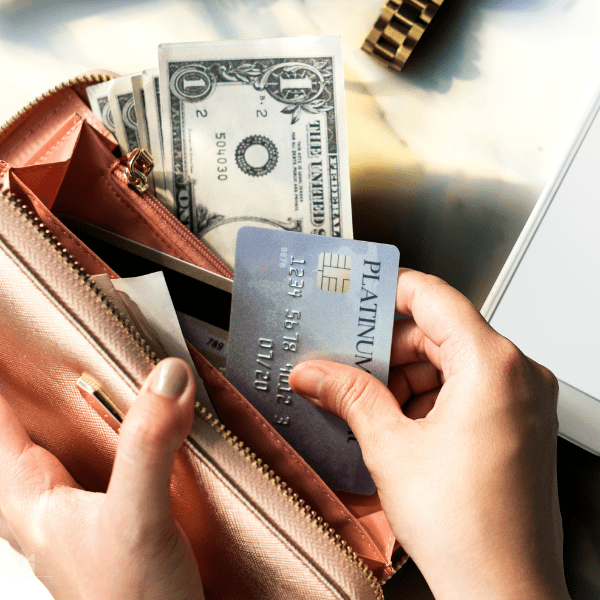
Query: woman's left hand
point(121, 544)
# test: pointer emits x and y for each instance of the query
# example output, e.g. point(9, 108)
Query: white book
point(547, 297)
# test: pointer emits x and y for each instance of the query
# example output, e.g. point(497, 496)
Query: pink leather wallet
point(261, 522)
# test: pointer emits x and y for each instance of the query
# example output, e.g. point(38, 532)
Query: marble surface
point(447, 159)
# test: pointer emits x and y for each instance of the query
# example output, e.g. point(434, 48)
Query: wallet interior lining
point(32, 138)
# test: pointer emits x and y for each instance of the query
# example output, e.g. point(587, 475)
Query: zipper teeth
point(72, 82)
point(130, 330)
point(300, 505)
point(81, 275)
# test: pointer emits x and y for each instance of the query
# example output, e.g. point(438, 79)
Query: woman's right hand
point(461, 446)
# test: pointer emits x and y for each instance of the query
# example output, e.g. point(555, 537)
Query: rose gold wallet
point(261, 523)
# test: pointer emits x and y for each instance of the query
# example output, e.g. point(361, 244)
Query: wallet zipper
point(79, 272)
point(21, 209)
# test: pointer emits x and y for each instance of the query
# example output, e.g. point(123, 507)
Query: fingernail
point(310, 378)
point(169, 379)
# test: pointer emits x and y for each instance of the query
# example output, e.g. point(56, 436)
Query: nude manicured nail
point(169, 379)
point(308, 381)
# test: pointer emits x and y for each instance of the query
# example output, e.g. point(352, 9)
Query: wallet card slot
point(61, 145)
point(43, 180)
point(95, 191)
point(45, 122)
point(48, 167)
point(249, 425)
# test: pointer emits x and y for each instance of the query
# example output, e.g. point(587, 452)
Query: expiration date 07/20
point(266, 378)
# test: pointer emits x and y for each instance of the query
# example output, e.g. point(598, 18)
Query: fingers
point(439, 310)
point(152, 432)
point(27, 472)
point(412, 380)
point(14, 441)
point(410, 344)
point(362, 401)
point(419, 407)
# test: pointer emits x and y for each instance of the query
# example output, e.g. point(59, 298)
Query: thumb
point(153, 430)
point(366, 404)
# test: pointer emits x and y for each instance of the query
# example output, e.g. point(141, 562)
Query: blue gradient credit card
point(299, 296)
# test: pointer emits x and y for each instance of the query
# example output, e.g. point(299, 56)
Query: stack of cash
point(242, 133)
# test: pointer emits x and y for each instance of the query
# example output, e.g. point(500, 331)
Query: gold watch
point(398, 29)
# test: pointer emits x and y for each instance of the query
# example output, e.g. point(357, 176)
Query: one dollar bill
point(254, 133)
point(122, 103)
point(98, 96)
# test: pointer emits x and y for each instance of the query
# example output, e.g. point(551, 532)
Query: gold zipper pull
point(100, 402)
point(139, 165)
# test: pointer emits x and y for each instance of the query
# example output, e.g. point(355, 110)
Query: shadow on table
point(456, 225)
point(459, 228)
point(579, 494)
point(407, 584)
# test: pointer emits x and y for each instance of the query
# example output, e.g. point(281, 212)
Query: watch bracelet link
point(398, 29)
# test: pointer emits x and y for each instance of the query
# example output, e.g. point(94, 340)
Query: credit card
point(299, 296)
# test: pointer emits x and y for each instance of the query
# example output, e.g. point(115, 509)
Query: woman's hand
point(122, 544)
point(462, 447)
